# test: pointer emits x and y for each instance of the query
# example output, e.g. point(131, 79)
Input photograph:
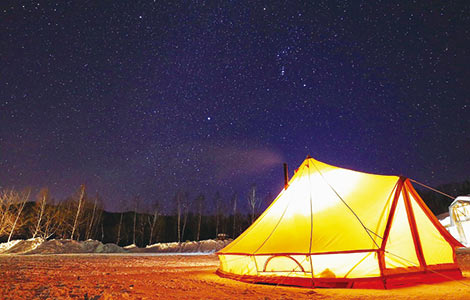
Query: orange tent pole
point(414, 229)
point(381, 254)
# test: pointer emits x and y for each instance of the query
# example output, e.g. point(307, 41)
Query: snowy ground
point(131, 276)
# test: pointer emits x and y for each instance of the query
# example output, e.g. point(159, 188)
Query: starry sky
point(150, 97)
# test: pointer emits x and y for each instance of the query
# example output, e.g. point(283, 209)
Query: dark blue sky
point(150, 97)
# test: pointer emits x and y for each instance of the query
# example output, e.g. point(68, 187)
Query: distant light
point(208, 118)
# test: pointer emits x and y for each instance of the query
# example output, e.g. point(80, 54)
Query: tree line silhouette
point(82, 217)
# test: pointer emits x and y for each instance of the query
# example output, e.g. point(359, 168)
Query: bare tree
point(234, 212)
point(123, 208)
point(60, 219)
point(179, 204)
point(136, 206)
point(99, 218)
point(40, 208)
point(200, 205)
point(79, 207)
point(252, 202)
point(186, 208)
point(141, 231)
point(6, 216)
point(18, 203)
point(152, 220)
point(53, 220)
point(91, 221)
point(50, 217)
point(217, 202)
point(102, 231)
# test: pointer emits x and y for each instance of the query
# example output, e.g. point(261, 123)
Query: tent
point(459, 213)
point(334, 227)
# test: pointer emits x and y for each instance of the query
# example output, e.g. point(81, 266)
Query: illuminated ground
point(125, 276)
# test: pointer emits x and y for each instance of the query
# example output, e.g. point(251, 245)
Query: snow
point(39, 246)
point(465, 226)
point(131, 246)
point(5, 246)
point(206, 246)
point(71, 246)
point(66, 246)
point(20, 246)
point(445, 222)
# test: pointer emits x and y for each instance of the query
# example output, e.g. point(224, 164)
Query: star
point(103, 96)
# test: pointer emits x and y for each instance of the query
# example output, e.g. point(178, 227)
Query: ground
point(133, 276)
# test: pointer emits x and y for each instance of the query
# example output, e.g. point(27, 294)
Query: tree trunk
point(252, 201)
point(119, 230)
point(90, 225)
point(41, 213)
point(234, 215)
point(98, 222)
point(151, 231)
point(178, 203)
point(102, 231)
point(135, 219)
point(185, 218)
point(80, 200)
point(136, 206)
point(142, 231)
point(152, 226)
point(199, 219)
point(21, 206)
point(217, 204)
point(200, 204)
point(5, 206)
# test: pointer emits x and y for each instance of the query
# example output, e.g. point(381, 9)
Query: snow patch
point(65, 246)
point(23, 246)
point(131, 246)
point(206, 246)
point(445, 221)
point(5, 246)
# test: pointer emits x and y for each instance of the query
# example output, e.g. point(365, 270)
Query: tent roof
point(317, 197)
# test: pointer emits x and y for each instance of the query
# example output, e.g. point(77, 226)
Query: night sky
point(148, 97)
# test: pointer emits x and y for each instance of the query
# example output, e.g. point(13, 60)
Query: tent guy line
point(432, 189)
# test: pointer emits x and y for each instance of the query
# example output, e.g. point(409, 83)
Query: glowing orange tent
point(333, 227)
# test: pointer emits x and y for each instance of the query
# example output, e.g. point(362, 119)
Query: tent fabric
point(334, 227)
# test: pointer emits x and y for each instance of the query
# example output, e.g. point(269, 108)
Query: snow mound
point(58, 246)
point(7, 245)
point(206, 246)
point(131, 246)
point(71, 246)
point(24, 246)
point(39, 246)
point(109, 248)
